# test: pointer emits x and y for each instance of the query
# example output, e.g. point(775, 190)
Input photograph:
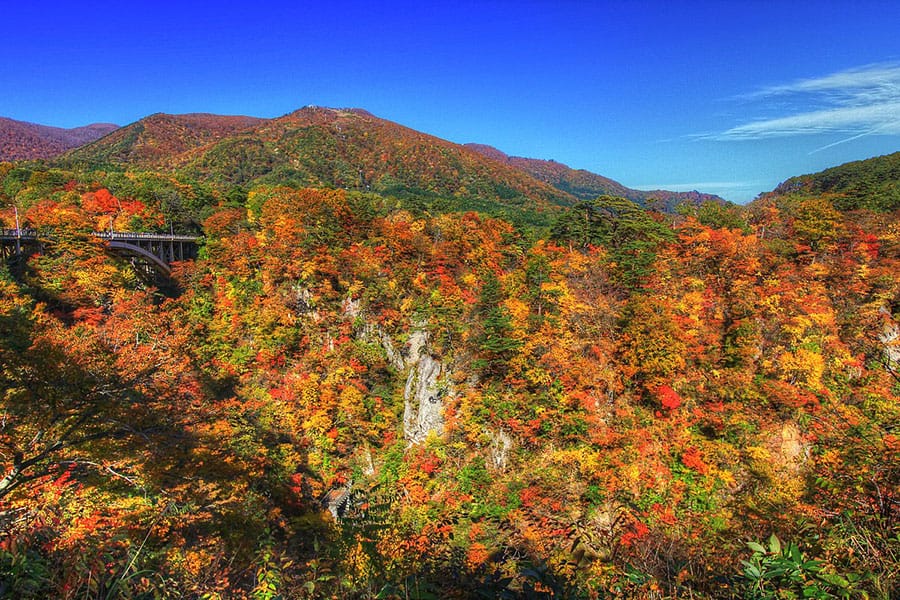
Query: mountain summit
point(319, 147)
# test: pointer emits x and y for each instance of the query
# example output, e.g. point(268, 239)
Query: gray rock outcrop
point(427, 386)
point(428, 381)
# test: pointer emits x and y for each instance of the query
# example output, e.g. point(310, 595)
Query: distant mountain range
point(585, 185)
point(26, 141)
point(314, 146)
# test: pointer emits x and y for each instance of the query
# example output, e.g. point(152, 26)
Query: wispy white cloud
point(881, 79)
point(876, 118)
point(857, 102)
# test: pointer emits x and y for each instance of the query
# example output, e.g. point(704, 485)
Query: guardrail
point(32, 234)
point(28, 234)
point(151, 237)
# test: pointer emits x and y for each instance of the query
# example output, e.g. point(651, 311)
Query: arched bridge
point(157, 251)
point(151, 253)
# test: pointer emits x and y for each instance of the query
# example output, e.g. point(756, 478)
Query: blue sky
point(727, 97)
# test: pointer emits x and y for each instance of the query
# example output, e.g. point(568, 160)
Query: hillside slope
point(20, 140)
point(377, 402)
point(351, 149)
point(354, 149)
point(153, 140)
point(873, 183)
point(585, 185)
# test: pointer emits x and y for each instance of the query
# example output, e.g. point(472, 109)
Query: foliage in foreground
point(625, 404)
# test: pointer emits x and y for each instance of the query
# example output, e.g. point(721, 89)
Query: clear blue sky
point(729, 97)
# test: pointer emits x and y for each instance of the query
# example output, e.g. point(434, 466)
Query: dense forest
point(380, 390)
point(27, 141)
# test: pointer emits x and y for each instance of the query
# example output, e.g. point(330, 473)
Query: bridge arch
point(152, 254)
point(154, 261)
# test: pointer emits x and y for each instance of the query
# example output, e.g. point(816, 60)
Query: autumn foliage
point(622, 406)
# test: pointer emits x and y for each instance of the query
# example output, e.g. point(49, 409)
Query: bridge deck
point(151, 252)
point(144, 237)
point(32, 234)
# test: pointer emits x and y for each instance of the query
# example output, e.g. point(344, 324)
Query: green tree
point(629, 232)
point(495, 341)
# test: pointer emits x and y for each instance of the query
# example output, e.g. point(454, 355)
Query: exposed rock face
point(394, 357)
point(303, 302)
point(501, 443)
point(374, 333)
point(426, 387)
point(428, 380)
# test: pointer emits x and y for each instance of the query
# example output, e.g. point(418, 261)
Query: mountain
point(585, 185)
point(324, 147)
point(873, 183)
point(314, 146)
point(20, 140)
point(580, 183)
point(429, 403)
point(153, 140)
point(352, 149)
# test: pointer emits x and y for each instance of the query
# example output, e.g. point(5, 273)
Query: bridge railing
point(24, 233)
point(150, 237)
point(32, 234)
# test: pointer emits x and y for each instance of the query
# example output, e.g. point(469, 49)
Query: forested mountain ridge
point(359, 395)
point(155, 140)
point(353, 149)
point(315, 146)
point(873, 183)
point(350, 149)
point(585, 185)
point(20, 140)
